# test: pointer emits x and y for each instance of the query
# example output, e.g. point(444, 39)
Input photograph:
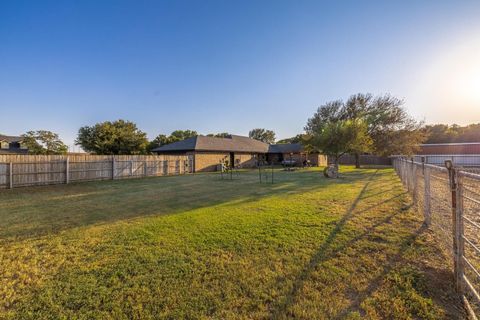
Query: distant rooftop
point(10, 139)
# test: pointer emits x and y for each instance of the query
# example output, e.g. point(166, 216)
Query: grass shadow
point(35, 212)
point(320, 255)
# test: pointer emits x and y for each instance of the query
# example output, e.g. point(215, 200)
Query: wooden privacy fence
point(365, 159)
point(32, 170)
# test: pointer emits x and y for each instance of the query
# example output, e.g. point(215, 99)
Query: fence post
point(412, 177)
point(460, 234)
point(457, 225)
point(113, 167)
point(145, 171)
point(67, 170)
point(10, 175)
point(415, 183)
point(408, 175)
point(426, 202)
point(131, 167)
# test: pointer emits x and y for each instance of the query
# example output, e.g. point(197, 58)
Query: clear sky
point(215, 66)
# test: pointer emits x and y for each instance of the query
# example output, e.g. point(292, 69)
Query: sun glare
point(464, 80)
point(451, 82)
point(470, 84)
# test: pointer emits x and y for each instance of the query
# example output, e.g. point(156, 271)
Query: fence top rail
point(470, 175)
point(467, 174)
point(447, 155)
point(35, 162)
point(61, 161)
point(427, 165)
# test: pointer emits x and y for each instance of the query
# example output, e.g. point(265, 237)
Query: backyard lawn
point(196, 247)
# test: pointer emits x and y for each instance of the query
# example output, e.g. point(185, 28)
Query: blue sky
point(215, 66)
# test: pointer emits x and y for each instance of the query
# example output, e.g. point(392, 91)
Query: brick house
point(12, 145)
point(208, 152)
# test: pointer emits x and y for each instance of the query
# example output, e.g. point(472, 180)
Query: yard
point(197, 246)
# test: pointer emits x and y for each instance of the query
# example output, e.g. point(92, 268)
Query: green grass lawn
point(198, 247)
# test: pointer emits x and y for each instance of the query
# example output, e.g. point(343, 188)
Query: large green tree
point(112, 137)
point(267, 136)
point(179, 135)
point(43, 142)
point(159, 141)
point(338, 137)
point(175, 136)
point(389, 126)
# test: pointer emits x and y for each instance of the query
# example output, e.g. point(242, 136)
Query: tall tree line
point(442, 133)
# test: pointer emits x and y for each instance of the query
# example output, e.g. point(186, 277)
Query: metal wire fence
point(449, 199)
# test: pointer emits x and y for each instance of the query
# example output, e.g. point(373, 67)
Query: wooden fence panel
point(3, 174)
point(31, 170)
point(348, 159)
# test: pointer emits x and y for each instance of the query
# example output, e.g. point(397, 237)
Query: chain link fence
point(449, 199)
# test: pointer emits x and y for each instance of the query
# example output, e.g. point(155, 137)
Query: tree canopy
point(335, 138)
point(176, 135)
point(390, 128)
point(442, 133)
point(179, 135)
point(219, 135)
point(267, 136)
point(43, 142)
point(297, 139)
point(117, 137)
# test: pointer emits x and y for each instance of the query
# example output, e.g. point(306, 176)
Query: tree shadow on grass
point(35, 212)
point(375, 283)
point(329, 251)
point(319, 256)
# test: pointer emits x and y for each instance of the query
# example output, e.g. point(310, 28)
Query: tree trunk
point(357, 160)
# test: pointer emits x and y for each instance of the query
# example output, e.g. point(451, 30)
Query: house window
point(4, 145)
point(23, 146)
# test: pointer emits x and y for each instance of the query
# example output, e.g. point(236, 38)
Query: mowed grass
point(198, 247)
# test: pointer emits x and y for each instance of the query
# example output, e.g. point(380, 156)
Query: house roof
point(232, 143)
point(183, 145)
point(10, 139)
point(285, 148)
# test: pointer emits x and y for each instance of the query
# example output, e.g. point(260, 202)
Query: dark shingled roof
point(10, 139)
point(285, 148)
point(231, 143)
point(183, 145)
